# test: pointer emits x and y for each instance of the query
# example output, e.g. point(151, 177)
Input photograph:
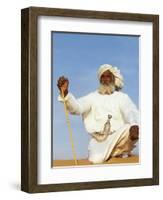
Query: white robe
point(94, 109)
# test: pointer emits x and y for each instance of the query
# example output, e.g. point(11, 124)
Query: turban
point(115, 71)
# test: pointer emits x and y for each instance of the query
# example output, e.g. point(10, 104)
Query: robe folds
point(94, 109)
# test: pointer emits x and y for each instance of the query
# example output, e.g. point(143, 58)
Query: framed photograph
point(89, 99)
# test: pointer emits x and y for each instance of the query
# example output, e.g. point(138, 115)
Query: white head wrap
point(115, 71)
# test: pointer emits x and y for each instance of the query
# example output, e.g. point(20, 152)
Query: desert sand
point(131, 159)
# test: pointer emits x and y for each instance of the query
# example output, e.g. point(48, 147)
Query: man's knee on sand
point(124, 147)
point(96, 159)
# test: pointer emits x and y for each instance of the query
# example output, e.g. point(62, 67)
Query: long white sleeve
point(129, 110)
point(77, 106)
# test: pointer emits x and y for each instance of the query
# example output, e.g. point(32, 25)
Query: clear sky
point(78, 57)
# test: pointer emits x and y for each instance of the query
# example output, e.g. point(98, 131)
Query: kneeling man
point(109, 115)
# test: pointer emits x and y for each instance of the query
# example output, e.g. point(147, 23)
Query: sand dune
point(132, 159)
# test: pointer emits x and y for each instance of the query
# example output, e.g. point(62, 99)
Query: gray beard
point(106, 89)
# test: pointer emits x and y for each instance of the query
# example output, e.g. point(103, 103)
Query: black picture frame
point(29, 137)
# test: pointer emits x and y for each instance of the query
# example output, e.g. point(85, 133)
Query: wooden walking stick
point(69, 128)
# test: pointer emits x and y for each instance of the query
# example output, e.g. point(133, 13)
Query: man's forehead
point(107, 72)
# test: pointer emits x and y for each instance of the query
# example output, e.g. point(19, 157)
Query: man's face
point(107, 77)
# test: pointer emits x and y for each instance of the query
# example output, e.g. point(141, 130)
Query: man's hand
point(134, 132)
point(63, 84)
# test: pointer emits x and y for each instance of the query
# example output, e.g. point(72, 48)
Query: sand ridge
point(131, 159)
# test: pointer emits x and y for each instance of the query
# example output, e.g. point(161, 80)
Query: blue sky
point(78, 57)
